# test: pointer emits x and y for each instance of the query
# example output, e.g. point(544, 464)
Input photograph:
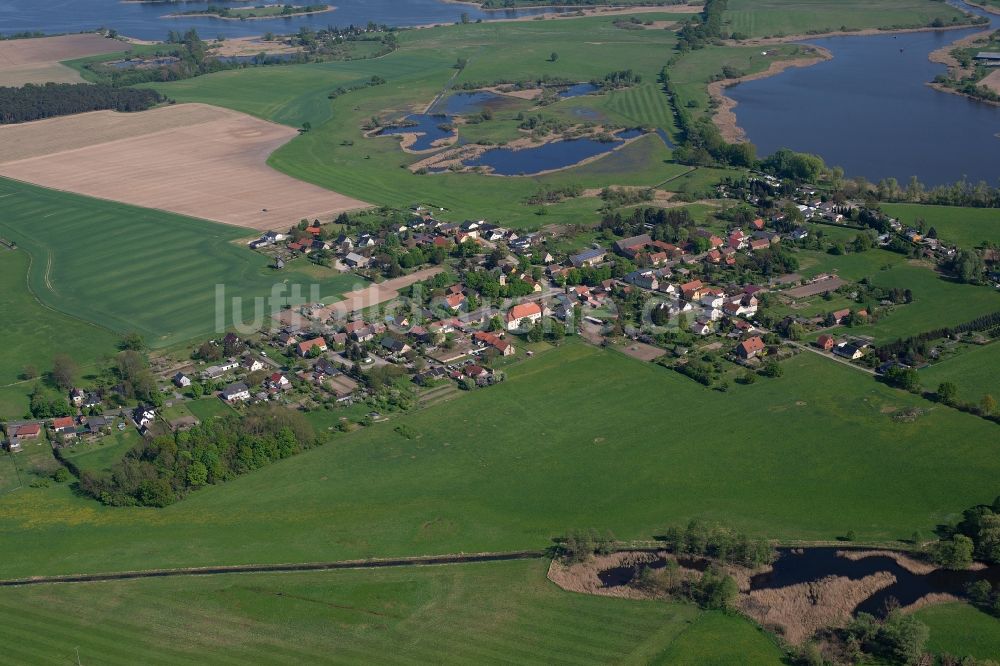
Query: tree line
point(34, 102)
point(163, 470)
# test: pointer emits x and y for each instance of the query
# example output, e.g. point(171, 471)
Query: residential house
point(494, 341)
point(848, 350)
point(64, 425)
point(181, 380)
point(216, 371)
point(143, 416)
point(713, 297)
point(633, 245)
point(238, 392)
point(701, 326)
point(760, 244)
point(279, 381)
point(692, 290)
point(394, 345)
point(76, 397)
point(305, 348)
point(840, 315)
point(750, 347)
point(825, 342)
point(525, 313)
point(645, 279)
point(455, 301)
point(251, 364)
point(28, 431)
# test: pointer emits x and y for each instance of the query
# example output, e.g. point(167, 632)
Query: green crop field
point(975, 371)
point(965, 227)
point(577, 437)
point(460, 614)
point(961, 630)
point(33, 333)
point(763, 18)
point(336, 155)
point(128, 268)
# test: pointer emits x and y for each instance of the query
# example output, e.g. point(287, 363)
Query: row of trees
point(161, 471)
point(34, 102)
point(916, 345)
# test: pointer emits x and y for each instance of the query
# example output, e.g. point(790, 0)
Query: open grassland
point(577, 437)
point(850, 267)
point(937, 302)
point(101, 455)
point(460, 614)
point(767, 18)
point(127, 269)
point(33, 334)
point(975, 371)
point(336, 155)
point(38, 60)
point(965, 227)
point(192, 159)
point(961, 630)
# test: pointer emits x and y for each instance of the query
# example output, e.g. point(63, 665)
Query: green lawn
point(99, 456)
point(850, 267)
point(126, 268)
point(208, 408)
point(961, 630)
point(975, 371)
point(457, 614)
point(576, 438)
point(761, 18)
point(336, 155)
point(965, 227)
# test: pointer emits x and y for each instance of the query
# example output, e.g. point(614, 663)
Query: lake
point(143, 19)
point(870, 111)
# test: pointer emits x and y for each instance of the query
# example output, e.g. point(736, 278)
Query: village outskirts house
point(750, 348)
point(525, 313)
point(238, 392)
point(181, 380)
point(306, 347)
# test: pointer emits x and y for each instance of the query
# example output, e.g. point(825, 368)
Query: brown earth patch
point(642, 351)
point(582, 577)
point(191, 159)
point(37, 60)
point(992, 81)
point(373, 294)
point(799, 611)
point(250, 46)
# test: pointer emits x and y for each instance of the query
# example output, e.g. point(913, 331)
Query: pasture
point(124, 268)
point(38, 60)
point(772, 18)
point(965, 227)
point(975, 371)
point(193, 160)
point(577, 437)
point(336, 155)
point(961, 630)
point(454, 614)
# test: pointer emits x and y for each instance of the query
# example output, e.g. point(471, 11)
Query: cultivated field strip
point(37, 60)
point(190, 159)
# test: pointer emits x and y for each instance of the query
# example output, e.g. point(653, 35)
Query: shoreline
point(248, 18)
point(724, 117)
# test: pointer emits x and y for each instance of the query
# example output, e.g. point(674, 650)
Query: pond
point(549, 156)
point(144, 19)
point(870, 111)
point(804, 565)
point(578, 90)
point(428, 126)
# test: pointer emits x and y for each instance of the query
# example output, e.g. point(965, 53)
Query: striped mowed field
point(128, 268)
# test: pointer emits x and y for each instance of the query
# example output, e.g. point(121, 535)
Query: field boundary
point(422, 560)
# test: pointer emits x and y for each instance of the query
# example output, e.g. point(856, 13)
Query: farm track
point(428, 560)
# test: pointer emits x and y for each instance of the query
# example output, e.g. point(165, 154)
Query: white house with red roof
point(525, 313)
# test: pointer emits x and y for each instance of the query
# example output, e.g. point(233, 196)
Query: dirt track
point(192, 159)
point(37, 60)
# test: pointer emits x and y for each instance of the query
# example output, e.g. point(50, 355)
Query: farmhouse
point(840, 315)
point(494, 341)
point(143, 416)
point(28, 431)
point(355, 260)
point(631, 246)
point(216, 371)
point(279, 381)
point(238, 392)
point(525, 312)
point(750, 347)
point(693, 290)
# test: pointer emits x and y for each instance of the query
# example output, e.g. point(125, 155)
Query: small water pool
point(429, 127)
point(547, 157)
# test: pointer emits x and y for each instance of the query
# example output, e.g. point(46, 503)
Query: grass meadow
point(336, 155)
point(965, 227)
point(125, 268)
point(765, 18)
point(974, 372)
point(577, 437)
point(461, 614)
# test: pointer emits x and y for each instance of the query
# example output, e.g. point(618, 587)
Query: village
point(719, 304)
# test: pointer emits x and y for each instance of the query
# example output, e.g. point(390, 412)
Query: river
point(870, 111)
point(144, 20)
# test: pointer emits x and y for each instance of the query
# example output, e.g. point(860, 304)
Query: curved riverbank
point(725, 114)
point(269, 17)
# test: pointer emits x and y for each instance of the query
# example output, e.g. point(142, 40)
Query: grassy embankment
point(548, 451)
point(474, 613)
